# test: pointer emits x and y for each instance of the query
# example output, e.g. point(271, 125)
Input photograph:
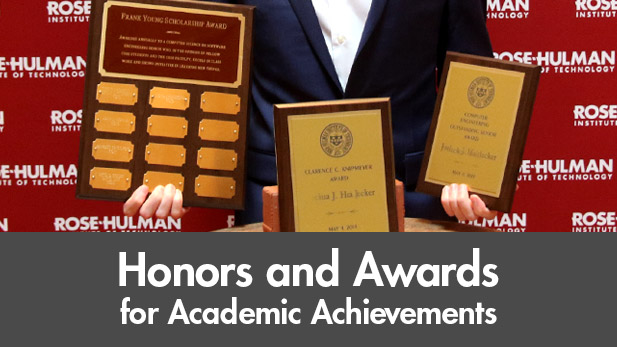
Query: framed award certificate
point(166, 100)
point(479, 128)
point(335, 166)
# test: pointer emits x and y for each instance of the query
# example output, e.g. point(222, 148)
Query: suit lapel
point(308, 19)
point(374, 15)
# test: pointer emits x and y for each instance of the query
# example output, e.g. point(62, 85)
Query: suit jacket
point(403, 43)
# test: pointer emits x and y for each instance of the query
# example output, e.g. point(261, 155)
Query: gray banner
point(63, 289)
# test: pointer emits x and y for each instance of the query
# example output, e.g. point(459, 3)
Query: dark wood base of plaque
point(166, 100)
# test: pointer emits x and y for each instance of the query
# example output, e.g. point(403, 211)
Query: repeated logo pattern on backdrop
point(567, 180)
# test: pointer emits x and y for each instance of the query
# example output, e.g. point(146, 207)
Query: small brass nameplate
point(220, 103)
point(155, 178)
point(159, 154)
point(217, 159)
point(116, 93)
point(166, 126)
point(215, 187)
point(112, 150)
point(173, 99)
point(110, 179)
point(114, 122)
point(218, 130)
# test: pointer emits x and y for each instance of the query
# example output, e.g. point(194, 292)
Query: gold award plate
point(114, 122)
point(215, 187)
point(166, 126)
point(155, 178)
point(173, 99)
point(473, 132)
point(218, 130)
point(160, 154)
point(217, 159)
point(110, 179)
point(220, 103)
point(338, 171)
point(112, 150)
point(116, 93)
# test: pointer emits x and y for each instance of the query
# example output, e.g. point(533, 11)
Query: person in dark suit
point(310, 50)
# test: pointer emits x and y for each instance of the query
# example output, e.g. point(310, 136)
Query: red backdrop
point(567, 180)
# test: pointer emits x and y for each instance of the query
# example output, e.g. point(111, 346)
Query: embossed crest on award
point(335, 166)
point(166, 100)
point(479, 128)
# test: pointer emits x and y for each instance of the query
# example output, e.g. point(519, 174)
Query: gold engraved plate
point(154, 178)
point(338, 171)
point(172, 155)
point(116, 93)
point(166, 126)
point(475, 127)
point(220, 103)
point(217, 159)
point(173, 99)
point(218, 130)
point(114, 122)
point(215, 187)
point(112, 150)
point(110, 179)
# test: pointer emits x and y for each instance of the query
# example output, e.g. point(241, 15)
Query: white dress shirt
point(342, 23)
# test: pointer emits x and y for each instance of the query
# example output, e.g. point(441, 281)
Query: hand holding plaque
point(457, 202)
point(166, 103)
point(479, 128)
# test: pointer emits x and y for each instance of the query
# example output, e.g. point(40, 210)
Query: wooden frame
point(184, 98)
point(519, 135)
point(281, 118)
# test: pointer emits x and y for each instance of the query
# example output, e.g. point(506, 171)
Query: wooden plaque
point(479, 128)
point(335, 166)
point(165, 79)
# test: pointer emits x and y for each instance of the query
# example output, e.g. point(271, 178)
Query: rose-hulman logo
point(336, 140)
point(481, 92)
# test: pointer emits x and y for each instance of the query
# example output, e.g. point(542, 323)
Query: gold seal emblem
point(481, 92)
point(336, 140)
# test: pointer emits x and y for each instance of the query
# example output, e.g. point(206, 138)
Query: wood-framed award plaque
point(479, 128)
point(335, 166)
point(166, 100)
